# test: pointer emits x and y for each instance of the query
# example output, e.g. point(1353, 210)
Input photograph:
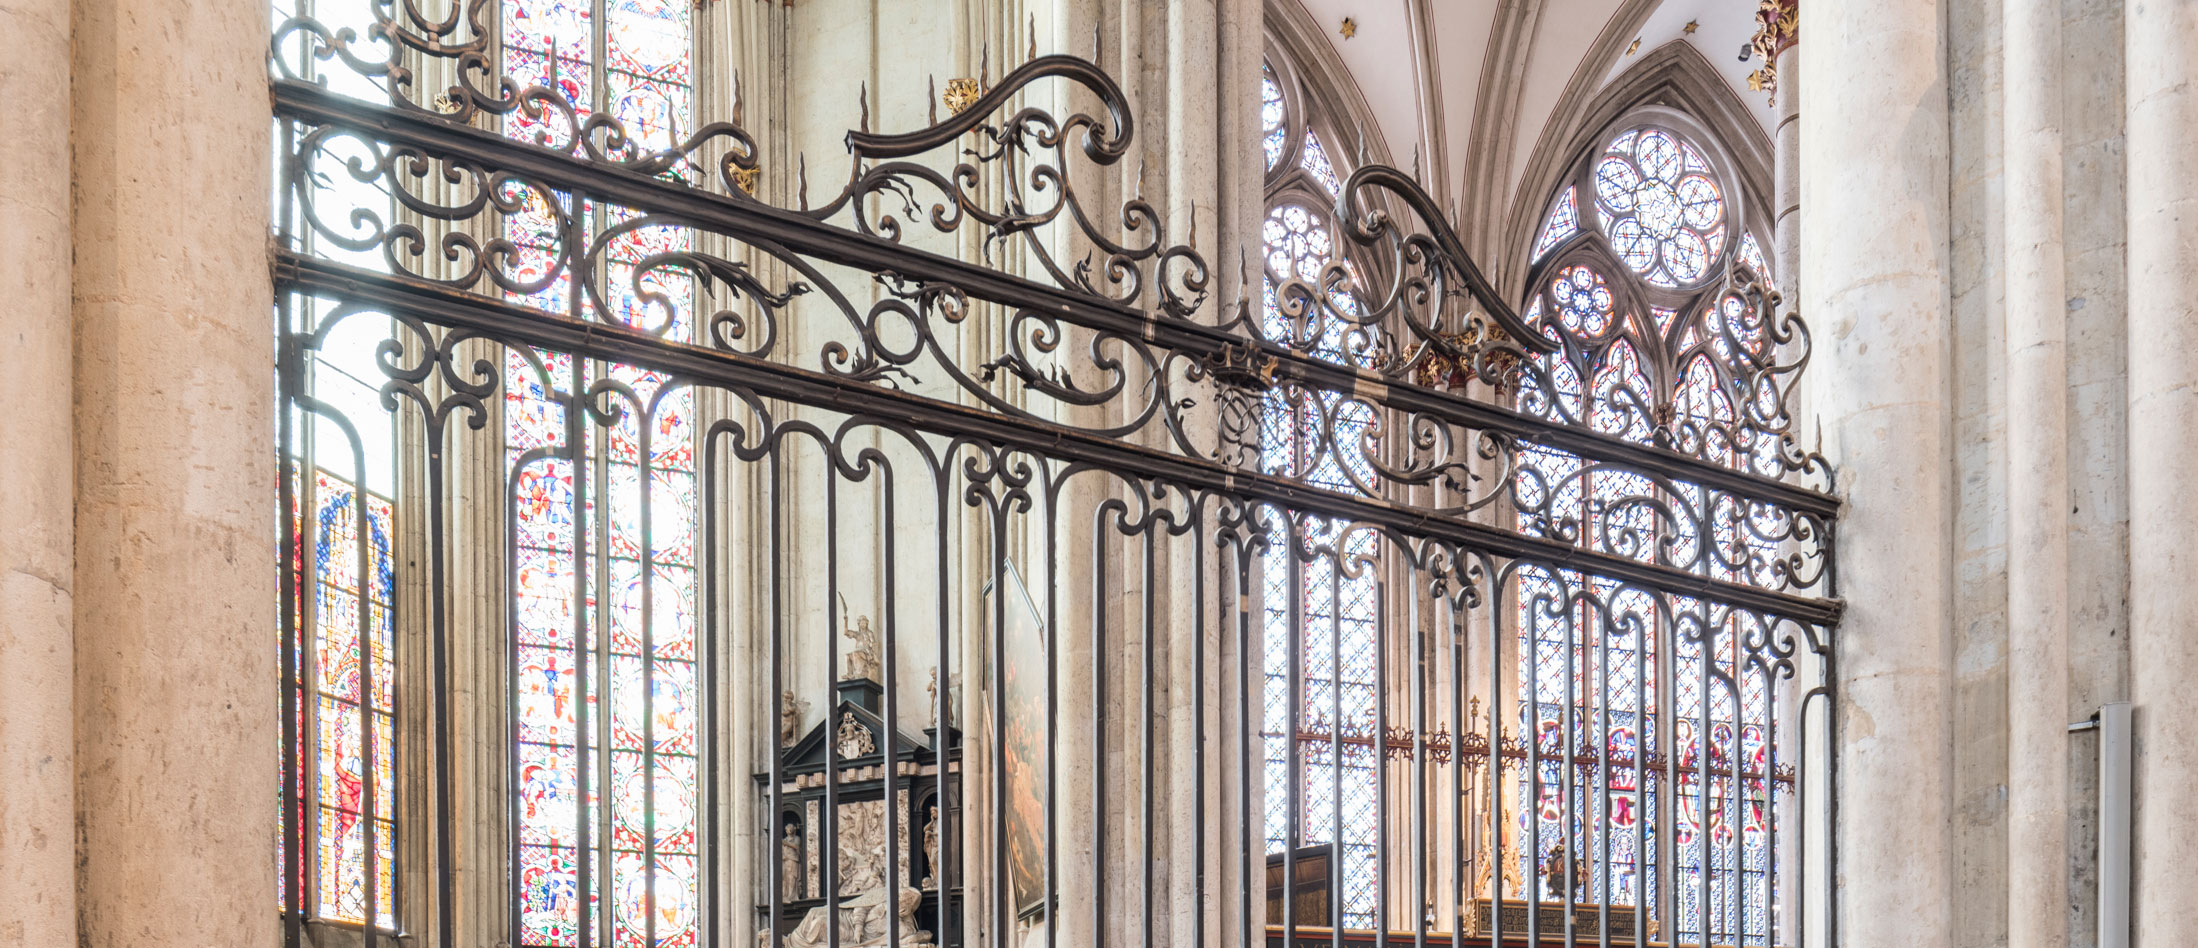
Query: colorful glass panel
point(1660, 206)
point(606, 712)
point(1563, 222)
point(346, 698)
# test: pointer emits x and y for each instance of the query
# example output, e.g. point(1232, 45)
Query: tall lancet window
point(603, 512)
point(1321, 599)
point(1652, 760)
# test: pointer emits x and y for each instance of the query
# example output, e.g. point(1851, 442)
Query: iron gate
point(593, 461)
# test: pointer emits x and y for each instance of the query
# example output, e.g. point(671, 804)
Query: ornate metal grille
point(641, 450)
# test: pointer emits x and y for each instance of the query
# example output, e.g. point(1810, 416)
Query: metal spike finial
point(931, 95)
point(863, 97)
point(1191, 239)
point(1140, 194)
point(1416, 176)
point(984, 66)
point(801, 175)
point(1095, 44)
point(1362, 146)
point(739, 105)
point(1033, 36)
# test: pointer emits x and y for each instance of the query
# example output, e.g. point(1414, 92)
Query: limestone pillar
point(37, 842)
point(1786, 178)
point(2162, 113)
point(1875, 287)
point(2037, 481)
point(176, 723)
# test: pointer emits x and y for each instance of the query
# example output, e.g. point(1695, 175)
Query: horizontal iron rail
point(746, 218)
point(459, 309)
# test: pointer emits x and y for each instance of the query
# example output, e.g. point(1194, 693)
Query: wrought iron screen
point(669, 567)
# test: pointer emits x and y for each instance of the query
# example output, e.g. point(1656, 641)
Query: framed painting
point(1025, 650)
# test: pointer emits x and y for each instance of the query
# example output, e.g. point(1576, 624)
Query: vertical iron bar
point(1003, 910)
point(706, 663)
point(1461, 882)
point(576, 440)
point(1496, 858)
point(943, 720)
point(1381, 775)
point(445, 787)
point(1241, 549)
point(1198, 721)
point(829, 845)
point(1530, 693)
point(1099, 722)
point(291, 582)
point(1568, 778)
point(889, 747)
point(1644, 663)
point(368, 690)
point(1702, 789)
point(1601, 863)
point(773, 463)
point(1422, 890)
point(1051, 900)
point(1144, 752)
point(1294, 718)
point(1336, 843)
point(646, 548)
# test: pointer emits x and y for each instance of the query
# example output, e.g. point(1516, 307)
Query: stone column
point(2162, 68)
point(1786, 178)
point(1875, 281)
point(37, 843)
point(2037, 481)
point(176, 723)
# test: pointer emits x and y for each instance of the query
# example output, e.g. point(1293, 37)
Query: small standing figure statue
point(862, 659)
point(931, 850)
point(790, 710)
point(789, 854)
point(931, 696)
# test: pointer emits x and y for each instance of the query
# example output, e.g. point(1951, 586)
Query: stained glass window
point(605, 702)
point(346, 696)
point(1649, 352)
point(1563, 222)
point(342, 669)
point(1660, 207)
point(1320, 600)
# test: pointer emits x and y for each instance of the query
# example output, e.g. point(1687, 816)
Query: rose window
point(1660, 206)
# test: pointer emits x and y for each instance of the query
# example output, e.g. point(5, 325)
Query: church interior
point(1099, 473)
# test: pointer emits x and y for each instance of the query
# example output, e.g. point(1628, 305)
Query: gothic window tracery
point(1321, 597)
point(1659, 345)
point(604, 644)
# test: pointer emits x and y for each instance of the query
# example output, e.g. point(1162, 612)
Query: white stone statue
point(869, 903)
point(862, 659)
point(789, 854)
point(790, 710)
point(863, 921)
point(931, 851)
